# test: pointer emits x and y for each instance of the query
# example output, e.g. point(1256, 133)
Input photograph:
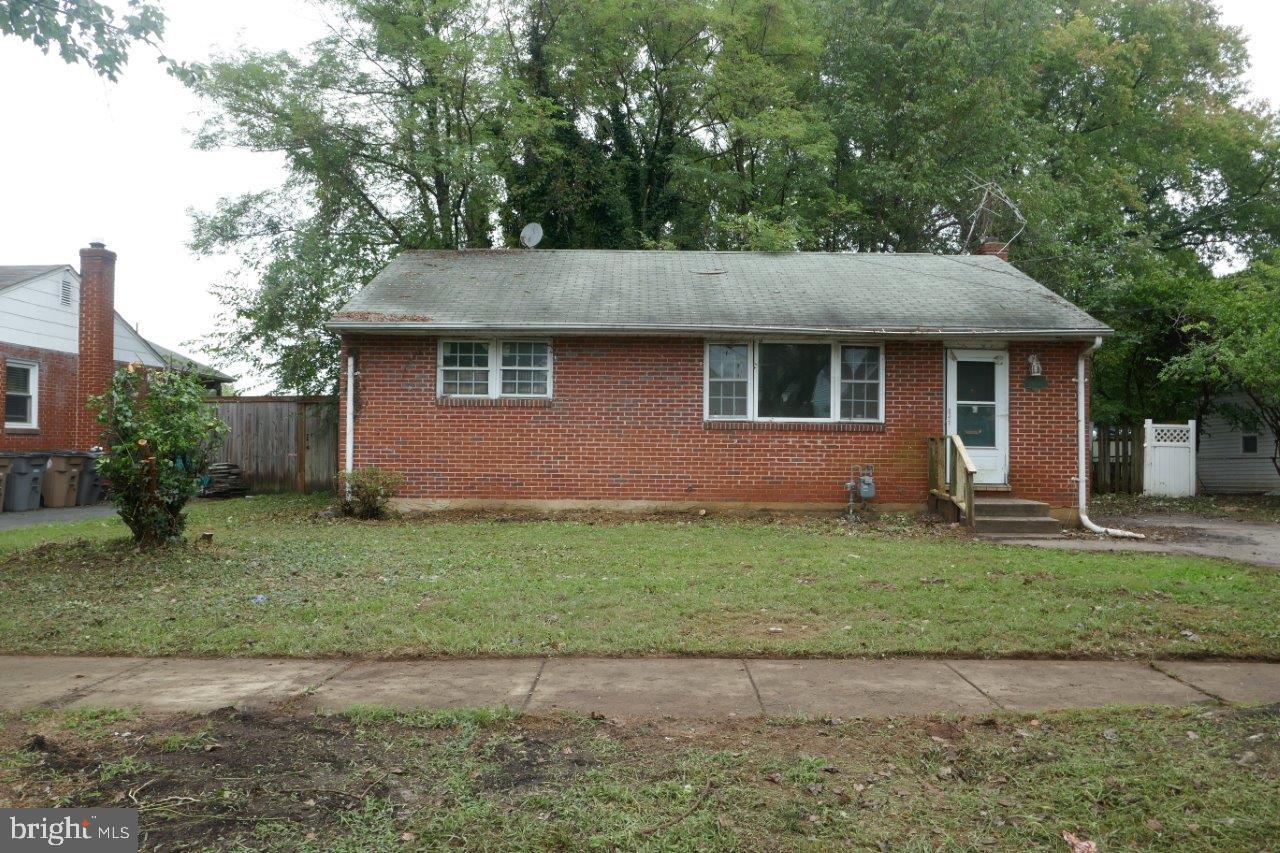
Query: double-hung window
point(795, 381)
point(495, 368)
point(21, 394)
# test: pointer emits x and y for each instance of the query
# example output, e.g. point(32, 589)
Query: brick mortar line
point(79, 692)
point(1155, 665)
point(984, 693)
point(759, 699)
point(528, 697)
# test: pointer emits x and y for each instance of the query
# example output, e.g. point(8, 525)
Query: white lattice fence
point(1169, 456)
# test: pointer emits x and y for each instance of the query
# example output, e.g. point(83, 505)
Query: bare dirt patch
point(1191, 778)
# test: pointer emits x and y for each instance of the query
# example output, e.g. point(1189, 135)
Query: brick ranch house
point(60, 340)
point(639, 379)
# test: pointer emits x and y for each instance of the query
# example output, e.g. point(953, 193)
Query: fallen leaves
point(1078, 845)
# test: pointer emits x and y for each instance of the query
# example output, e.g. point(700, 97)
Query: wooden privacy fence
point(1117, 459)
point(282, 444)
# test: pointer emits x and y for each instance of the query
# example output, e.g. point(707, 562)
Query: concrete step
point(1010, 508)
point(1016, 525)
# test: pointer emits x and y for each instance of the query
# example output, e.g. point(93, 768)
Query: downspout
point(351, 419)
point(1083, 476)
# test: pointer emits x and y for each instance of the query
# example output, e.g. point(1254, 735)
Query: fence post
point(302, 446)
point(1139, 460)
point(1103, 484)
point(1191, 438)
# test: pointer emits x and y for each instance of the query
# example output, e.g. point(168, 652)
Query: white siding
point(130, 347)
point(32, 313)
point(1225, 469)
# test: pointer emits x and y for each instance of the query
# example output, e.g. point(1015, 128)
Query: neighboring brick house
point(60, 340)
point(633, 379)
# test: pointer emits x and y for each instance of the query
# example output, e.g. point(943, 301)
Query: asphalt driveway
point(1245, 541)
point(12, 520)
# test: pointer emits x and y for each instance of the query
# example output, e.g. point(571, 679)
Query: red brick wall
point(97, 334)
point(626, 424)
point(56, 419)
point(1043, 426)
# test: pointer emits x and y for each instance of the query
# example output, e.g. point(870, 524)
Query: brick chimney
point(999, 248)
point(97, 336)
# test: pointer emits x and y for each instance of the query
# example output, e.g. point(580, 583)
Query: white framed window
point(1249, 443)
point(728, 380)
point(788, 380)
point(21, 394)
point(526, 369)
point(464, 368)
point(494, 368)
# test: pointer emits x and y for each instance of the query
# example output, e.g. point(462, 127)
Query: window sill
point(794, 426)
point(496, 402)
point(16, 430)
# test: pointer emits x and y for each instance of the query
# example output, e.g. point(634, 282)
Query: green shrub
point(366, 491)
point(158, 433)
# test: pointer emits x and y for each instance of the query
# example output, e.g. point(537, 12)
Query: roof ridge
point(677, 252)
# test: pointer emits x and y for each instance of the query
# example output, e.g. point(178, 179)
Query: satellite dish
point(531, 235)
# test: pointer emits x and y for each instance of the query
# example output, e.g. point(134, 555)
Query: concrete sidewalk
point(636, 687)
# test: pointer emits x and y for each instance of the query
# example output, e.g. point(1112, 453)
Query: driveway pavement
point(643, 687)
point(11, 520)
point(1245, 541)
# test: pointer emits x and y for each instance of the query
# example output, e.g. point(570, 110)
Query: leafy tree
point(158, 433)
point(1122, 129)
point(87, 31)
point(388, 129)
point(1236, 348)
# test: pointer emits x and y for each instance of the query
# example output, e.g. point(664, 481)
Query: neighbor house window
point(21, 390)
point(495, 368)
point(794, 381)
point(1249, 443)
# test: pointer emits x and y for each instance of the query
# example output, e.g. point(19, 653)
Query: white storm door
point(978, 409)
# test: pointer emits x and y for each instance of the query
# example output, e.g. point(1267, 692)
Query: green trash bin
point(61, 483)
point(24, 481)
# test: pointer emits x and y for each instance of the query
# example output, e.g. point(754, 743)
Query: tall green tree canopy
point(1122, 129)
point(1234, 324)
point(84, 30)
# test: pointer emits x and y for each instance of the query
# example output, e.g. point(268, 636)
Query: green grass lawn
point(492, 587)
point(1155, 779)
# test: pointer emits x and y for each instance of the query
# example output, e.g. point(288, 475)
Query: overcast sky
point(85, 159)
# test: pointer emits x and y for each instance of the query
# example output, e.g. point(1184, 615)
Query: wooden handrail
point(969, 467)
point(958, 487)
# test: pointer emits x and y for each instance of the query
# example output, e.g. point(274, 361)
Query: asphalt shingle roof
point(657, 291)
point(10, 275)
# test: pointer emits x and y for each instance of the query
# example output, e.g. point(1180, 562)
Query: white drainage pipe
point(1083, 476)
point(351, 419)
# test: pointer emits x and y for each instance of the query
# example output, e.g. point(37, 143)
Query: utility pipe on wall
point(351, 416)
point(1083, 476)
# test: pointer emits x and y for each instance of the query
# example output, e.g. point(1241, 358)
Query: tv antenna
point(994, 205)
point(531, 235)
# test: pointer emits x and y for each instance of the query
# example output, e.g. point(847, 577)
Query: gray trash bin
point(6, 462)
point(90, 489)
point(24, 481)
